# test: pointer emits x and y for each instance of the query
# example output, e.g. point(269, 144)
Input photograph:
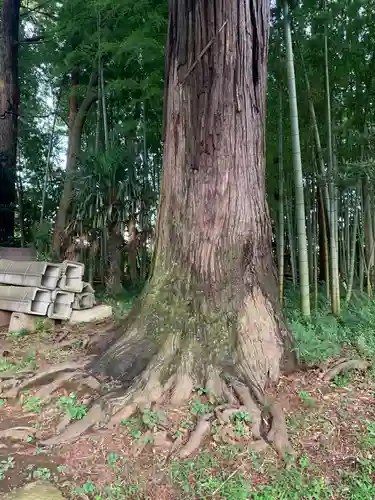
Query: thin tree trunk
point(104, 107)
point(353, 247)
point(281, 205)
point(317, 140)
point(21, 211)
point(76, 123)
point(298, 176)
point(368, 232)
point(291, 239)
point(323, 245)
point(335, 296)
point(114, 273)
point(9, 104)
point(309, 230)
point(132, 251)
point(315, 245)
point(49, 154)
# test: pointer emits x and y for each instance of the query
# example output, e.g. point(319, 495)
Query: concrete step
point(96, 313)
point(26, 299)
point(34, 274)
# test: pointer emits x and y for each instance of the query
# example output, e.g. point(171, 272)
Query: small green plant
point(6, 365)
point(115, 460)
point(20, 334)
point(240, 419)
point(32, 404)
point(306, 398)
point(186, 424)
point(367, 440)
point(341, 380)
point(6, 465)
point(152, 419)
point(112, 458)
point(199, 408)
point(2, 402)
point(43, 325)
point(87, 488)
point(43, 473)
point(201, 391)
point(75, 410)
point(134, 427)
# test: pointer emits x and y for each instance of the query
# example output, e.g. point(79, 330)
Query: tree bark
point(77, 118)
point(9, 103)
point(209, 310)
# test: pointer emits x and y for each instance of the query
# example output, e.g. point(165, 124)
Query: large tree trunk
point(77, 118)
point(9, 102)
point(209, 310)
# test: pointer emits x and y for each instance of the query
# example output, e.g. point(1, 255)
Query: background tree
point(9, 105)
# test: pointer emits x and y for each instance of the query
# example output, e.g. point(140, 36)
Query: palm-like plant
point(108, 190)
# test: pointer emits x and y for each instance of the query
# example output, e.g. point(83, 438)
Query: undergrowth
point(323, 336)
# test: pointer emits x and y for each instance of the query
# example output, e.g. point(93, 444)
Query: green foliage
point(32, 404)
point(75, 410)
point(5, 466)
point(323, 336)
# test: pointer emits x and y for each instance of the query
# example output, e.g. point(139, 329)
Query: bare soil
point(326, 423)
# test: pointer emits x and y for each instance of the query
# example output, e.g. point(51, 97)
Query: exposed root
point(46, 391)
point(224, 414)
point(18, 433)
point(183, 390)
point(15, 376)
point(278, 434)
point(215, 385)
point(196, 437)
point(76, 429)
point(345, 366)
point(252, 408)
point(63, 424)
point(44, 377)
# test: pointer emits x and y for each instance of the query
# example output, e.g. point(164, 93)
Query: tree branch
point(33, 39)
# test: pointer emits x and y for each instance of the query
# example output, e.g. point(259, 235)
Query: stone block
point(96, 313)
point(22, 322)
point(19, 254)
point(5, 318)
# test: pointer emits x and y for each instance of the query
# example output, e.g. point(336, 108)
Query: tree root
point(196, 437)
point(18, 433)
point(345, 366)
point(278, 434)
point(44, 377)
point(76, 429)
point(253, 410)
point(153, 387)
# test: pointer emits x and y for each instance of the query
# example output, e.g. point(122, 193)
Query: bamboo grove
point(320, 149)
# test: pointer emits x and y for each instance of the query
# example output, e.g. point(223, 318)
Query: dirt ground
point(331, 427)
